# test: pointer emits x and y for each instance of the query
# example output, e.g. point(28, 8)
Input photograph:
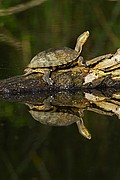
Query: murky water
point(30, 149)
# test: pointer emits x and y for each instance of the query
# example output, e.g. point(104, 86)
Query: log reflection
point(65, 108)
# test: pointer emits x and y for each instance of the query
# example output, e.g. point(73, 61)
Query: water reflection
point(39, 151)
point(65, 107)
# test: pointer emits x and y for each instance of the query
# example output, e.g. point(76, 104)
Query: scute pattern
point(53, 57)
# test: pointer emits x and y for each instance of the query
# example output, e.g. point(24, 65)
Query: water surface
point(29, 149)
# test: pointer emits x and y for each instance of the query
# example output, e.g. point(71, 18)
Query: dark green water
point(28, 149)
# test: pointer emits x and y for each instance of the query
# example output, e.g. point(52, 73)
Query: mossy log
point(101, 72)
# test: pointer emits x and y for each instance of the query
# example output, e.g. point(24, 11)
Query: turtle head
point(81, 40)
point(82, 129)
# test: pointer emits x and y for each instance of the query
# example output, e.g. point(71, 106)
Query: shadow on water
point(28, 148)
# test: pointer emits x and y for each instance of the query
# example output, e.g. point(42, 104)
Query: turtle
point(49, 114)
point(57, 58)
point(60, 119)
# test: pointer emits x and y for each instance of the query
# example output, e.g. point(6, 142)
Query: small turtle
point(58, 116)
point(60, 119)
point(48, 60)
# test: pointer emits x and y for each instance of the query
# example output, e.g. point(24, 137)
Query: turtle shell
point(54, 57)
point(54, 118)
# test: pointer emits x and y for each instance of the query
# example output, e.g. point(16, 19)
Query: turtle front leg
point(46, 105)
point(46, 77)
point(81, 61)
point(45, 72)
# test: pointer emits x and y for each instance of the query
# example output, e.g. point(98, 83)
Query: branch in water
point(7, 37)
point(20, 7)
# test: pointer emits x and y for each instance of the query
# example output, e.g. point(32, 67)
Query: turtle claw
point(50, 81)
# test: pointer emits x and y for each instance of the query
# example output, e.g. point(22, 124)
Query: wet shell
point(53, 57)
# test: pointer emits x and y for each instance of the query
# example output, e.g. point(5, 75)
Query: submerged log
point(101, 72)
